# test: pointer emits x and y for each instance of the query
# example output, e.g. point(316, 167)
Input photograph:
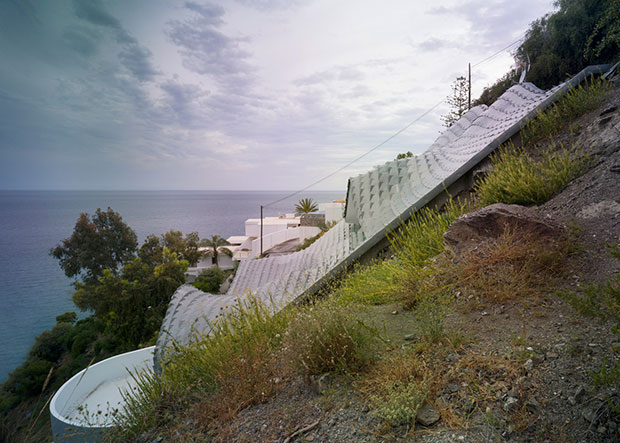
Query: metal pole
point(469, 88)
point(261, 229)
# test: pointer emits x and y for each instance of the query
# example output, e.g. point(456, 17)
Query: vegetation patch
point(330, 337)
point(519, 178)
point(577, 101)
point(513, 266)
point(231, 368)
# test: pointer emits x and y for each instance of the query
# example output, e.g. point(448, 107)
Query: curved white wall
point(83, 408)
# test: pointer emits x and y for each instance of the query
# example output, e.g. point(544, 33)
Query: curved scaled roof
point(376, 202)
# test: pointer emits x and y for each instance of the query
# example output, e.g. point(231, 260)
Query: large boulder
point(470, 230)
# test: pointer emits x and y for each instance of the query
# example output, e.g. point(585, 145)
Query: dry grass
point(513, 266)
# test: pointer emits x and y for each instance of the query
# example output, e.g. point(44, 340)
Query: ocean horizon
point(34, 290)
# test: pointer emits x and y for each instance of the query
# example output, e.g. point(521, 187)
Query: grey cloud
point(137, 59)
point(432, 44)
point(208, 51)
point(83, 40)
point(134, 57)
point(270, 5)
point(94, 12)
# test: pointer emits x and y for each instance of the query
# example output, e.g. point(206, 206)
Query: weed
point(517, 178)
point(575, 103)
point(231, 368)
point(421, 238)
point(613, 249)
point(368, 285)
point(397, 387)
point(330, 337)
point(600, 300)
point(514, 265)
point(430, 313)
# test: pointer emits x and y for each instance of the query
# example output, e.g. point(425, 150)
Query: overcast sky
point(239, 94)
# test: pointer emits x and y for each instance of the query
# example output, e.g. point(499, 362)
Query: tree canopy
point(458, 101)
point(306, 205)
point(100, 242)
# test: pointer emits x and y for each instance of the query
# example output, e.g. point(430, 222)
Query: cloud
point(208, 51)
point(85, 41)
point(136, 58)
point(433, 44)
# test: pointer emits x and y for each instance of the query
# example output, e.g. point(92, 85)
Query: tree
point(407, 154)
point(216, 243)
point(186, 248)
point(210, 280)
point(103, 242)
point(458, 101)
point(306, 205)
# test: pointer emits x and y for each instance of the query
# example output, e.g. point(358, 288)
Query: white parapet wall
point(275, 238)
point(85, 407)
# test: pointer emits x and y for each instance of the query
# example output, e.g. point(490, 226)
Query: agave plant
point(306, 205)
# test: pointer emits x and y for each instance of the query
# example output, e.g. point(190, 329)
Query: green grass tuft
point(577, 101)
point(518, 178)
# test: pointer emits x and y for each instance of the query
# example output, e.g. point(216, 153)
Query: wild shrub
point(518, 178)
point(329, 337)
point(577, 101)
point(416, 244)
point(209, 280)
point(231, 368)
point(396, 387)
point(513, 266)
point(421, 237)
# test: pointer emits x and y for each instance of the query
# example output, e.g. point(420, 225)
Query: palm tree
point(306, 205)
point(216, 243)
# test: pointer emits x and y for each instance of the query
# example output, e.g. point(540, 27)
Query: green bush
point(210, 280)
point(29, 378)
point(51, 344)
point(399, 402)
point(601, 300)
point(328, 337)
point(518, 178)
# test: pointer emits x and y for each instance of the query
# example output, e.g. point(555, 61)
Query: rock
point(469, 230)
point(529, 365)
point(601, 429)
point(319, 383)
point(532, 405)
point(410, 337)
point(603, 208)
point(572, 400)
point(427, 415)
point(394, 312)
point(590, 415)
point(510, 404)
point(580, 392)
point(552, 355)
point(453, 387)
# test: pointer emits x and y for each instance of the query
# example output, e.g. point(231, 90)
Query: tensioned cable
point(400, 131)
point(357, 158)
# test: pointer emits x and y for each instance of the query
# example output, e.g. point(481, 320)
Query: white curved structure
point(85, 406)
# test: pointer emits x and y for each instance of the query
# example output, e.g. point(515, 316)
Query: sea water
point(33, 288)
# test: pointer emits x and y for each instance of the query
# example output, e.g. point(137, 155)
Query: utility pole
point(261, 229)
point(469, 88)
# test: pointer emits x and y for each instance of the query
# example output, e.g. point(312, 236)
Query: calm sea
point(34, 290)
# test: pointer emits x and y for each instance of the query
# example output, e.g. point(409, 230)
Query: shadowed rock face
point(475, 228)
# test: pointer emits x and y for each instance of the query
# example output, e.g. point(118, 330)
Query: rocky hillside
point(509, 334)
